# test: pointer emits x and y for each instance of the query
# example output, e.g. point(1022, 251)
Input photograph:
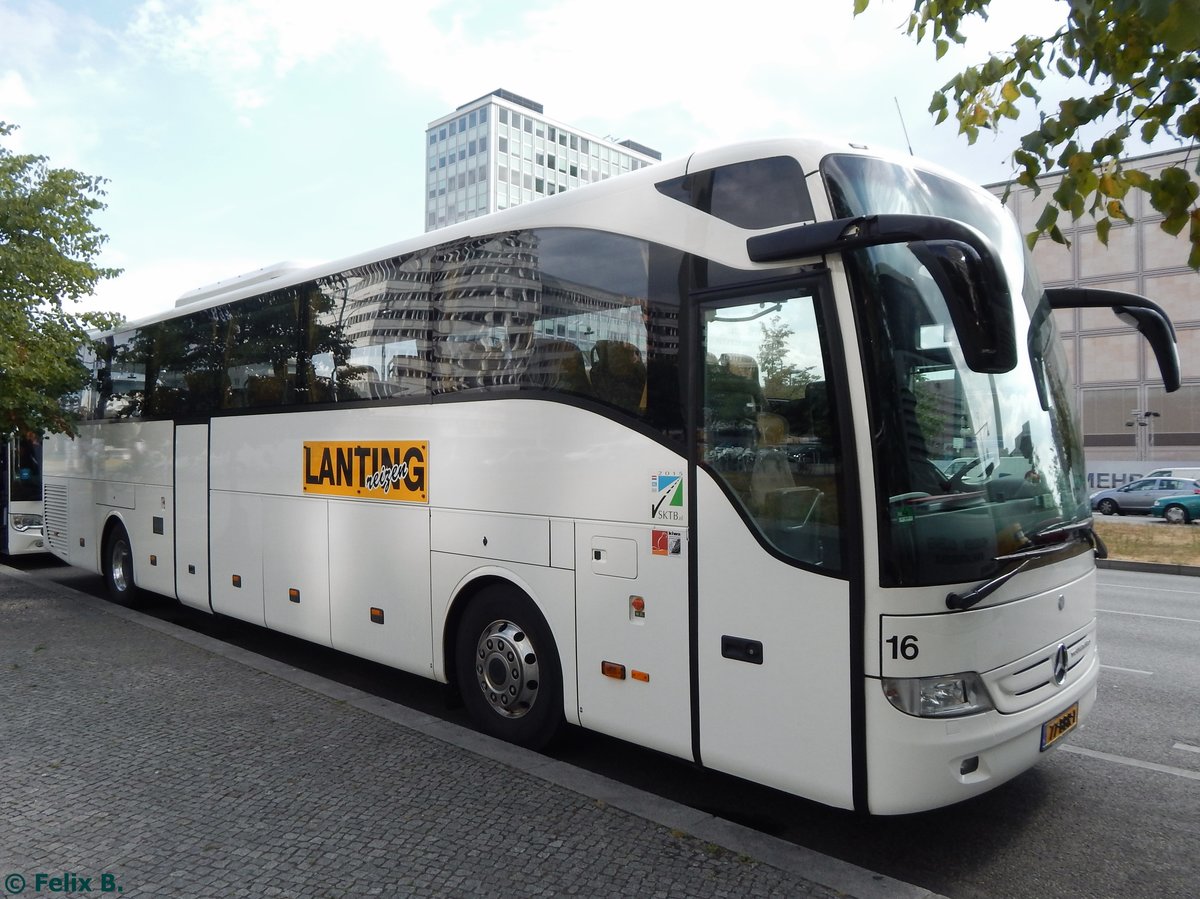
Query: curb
point(1149, 567)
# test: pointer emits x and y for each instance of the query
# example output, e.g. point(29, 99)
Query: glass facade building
point(500, 150)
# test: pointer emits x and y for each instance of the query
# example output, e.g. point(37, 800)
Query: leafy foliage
point(781, 379)
point(48, 247)
point(1138, 62)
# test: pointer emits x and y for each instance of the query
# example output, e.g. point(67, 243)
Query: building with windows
point(500, 150)
point(1127, 416)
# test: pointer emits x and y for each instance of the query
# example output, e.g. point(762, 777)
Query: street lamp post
point(1149, 417)
point(1143, 418)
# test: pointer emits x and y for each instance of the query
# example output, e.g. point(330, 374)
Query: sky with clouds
point(239, 133)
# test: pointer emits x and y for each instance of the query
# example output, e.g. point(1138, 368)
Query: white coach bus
point(661, 457)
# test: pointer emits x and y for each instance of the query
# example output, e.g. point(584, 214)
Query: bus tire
point(117, 561)
point(507, 668)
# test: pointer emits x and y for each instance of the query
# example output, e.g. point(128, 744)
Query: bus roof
point(601, 205)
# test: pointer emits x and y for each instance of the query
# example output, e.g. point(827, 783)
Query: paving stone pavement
point(145, 764)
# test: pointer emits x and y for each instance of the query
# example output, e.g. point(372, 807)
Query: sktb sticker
point(393, 471)
point(666, 489)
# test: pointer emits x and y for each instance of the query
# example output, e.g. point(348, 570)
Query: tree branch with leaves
point(1138, 65)
point(48, 251)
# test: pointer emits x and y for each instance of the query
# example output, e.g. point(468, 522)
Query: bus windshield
point(975, 472)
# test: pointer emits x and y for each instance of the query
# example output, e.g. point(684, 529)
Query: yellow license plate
point(1059, 726)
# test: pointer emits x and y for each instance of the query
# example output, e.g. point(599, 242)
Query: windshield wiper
point(1061, 530)
point(960, 601)
point(1032, 550)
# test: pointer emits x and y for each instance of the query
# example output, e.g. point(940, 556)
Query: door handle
point(742, 649)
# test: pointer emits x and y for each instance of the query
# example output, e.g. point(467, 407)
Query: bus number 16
point(904, 647)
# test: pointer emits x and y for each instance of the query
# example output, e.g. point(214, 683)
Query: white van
point(1174, 473)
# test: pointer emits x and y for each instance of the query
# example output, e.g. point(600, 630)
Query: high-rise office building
point(500, 150)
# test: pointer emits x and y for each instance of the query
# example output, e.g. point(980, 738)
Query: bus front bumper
point(915, 764)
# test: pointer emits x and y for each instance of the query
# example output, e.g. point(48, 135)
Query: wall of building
point(501, 150)
point(1127, 416)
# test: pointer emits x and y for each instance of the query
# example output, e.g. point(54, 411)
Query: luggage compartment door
point(191, 516)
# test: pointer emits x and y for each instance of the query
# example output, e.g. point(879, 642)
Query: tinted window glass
point(759, 193)
point(25, 479)
point(121, 379)
point(581, 312)
point(769, 426)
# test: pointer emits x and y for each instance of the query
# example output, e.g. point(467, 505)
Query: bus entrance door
point(773, 656)
point(191, 516)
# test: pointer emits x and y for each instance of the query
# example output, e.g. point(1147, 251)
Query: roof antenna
point(903, 127)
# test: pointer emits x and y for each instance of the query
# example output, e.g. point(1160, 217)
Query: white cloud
point(248, 47)
point(13, 92)
point(758, 68)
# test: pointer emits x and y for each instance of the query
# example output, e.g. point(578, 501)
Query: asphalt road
point(1114, 813)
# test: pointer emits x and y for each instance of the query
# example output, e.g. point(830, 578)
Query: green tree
point(48, 248)
point(781, 379)
point(1137, 63)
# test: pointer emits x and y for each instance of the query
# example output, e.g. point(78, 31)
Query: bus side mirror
point(960, 259)
point(982, 315)
point(1145, 315)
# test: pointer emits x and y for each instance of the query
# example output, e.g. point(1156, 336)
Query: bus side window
point(556, 364)
point(768, 425)
point(618, 374)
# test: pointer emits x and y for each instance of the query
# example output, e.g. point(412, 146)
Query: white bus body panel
point(24, 542)
point(616, 566)
point(191, 516)
point(296, 566)
point(412, 560)
point(379, 558)
point(1011, 645)
point(916, 763)
point(239, 533)
point(984, 639)
point(783, 722)
point(505, 538)
point(122, 472)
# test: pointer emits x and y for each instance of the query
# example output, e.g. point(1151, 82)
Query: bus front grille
point(1033, 679)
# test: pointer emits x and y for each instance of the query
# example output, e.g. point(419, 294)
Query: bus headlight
point(25, 521)
point(947, 696)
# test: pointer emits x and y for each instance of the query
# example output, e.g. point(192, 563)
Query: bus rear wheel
point(117, 561)
point(508, 669)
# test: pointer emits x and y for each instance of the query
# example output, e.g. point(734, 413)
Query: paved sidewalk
point(141, 758)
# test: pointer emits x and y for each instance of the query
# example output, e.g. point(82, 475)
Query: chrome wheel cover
point(506, 669)
point(119, 564)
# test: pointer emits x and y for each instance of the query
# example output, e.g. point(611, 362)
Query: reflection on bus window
point(769, 432)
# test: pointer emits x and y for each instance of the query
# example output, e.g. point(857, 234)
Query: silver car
point(1139, 496)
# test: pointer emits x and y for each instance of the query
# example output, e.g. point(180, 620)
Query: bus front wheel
point(118, 567)
point(508, 669)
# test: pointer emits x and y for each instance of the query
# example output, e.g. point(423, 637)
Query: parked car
point(1140, 495)
point(1177, 509)
point(1174, 473)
